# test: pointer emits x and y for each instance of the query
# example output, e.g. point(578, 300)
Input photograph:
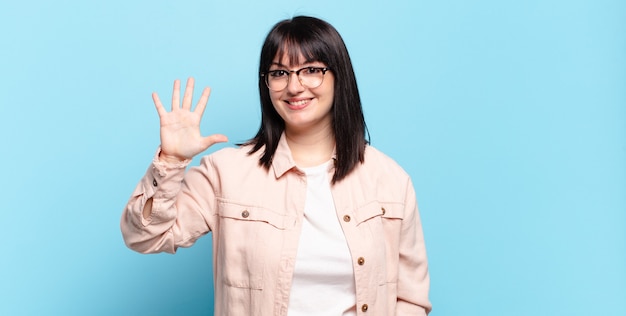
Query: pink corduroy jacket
point(255, 216)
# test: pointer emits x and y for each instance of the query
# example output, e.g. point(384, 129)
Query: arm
point(161, 213)
point(413, 277)
point(150, 213)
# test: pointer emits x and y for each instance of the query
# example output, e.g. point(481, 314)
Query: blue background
point(510, 116)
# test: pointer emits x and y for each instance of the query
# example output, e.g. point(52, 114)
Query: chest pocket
point(249, 238)
point(384, 221)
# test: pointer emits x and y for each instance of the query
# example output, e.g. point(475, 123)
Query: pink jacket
point(255, 216)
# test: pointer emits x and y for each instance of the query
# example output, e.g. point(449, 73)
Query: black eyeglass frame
point(297, 72)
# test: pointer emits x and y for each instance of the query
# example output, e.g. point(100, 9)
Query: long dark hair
point(315, 40)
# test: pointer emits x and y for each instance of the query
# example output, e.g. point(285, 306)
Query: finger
point(158, 104)
point(187, 98)
point(214, 139)
point(204, 99)
point(176, 95)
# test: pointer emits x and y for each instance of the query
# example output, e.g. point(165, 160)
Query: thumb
point(214, 139)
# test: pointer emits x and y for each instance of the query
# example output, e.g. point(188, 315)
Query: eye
point(312, 70)
point(278, 73)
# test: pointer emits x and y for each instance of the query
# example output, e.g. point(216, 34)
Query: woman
point(306, 217)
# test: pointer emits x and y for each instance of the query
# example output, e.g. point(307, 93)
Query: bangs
point(300, 51)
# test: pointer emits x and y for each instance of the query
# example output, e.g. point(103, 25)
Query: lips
point(297, 104)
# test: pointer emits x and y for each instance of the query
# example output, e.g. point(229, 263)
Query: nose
point(294, 86)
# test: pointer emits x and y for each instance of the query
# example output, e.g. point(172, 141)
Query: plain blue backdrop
point(510, 116)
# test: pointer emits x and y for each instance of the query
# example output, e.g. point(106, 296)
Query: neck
point(311, 148)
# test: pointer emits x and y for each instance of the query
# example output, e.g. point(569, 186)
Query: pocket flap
point(255, 213)
point(368, 211)
point(393, 210)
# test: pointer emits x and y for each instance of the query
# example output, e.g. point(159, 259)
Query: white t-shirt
point(323, 280)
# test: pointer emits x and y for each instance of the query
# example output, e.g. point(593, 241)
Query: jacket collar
point(283, 160)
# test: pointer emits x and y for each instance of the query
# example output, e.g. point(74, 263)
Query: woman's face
point(304, 109)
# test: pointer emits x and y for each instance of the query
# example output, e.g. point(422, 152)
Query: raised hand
point(180, 128)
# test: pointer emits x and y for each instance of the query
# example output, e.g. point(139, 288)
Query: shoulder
point(380, 178)
point(233, 152)
point(382, 164)
point(239, 156)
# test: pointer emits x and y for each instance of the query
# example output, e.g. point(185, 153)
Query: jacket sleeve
point(413, 277)
point(182, 207)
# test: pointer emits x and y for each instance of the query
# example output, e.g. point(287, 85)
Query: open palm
point(180, 128)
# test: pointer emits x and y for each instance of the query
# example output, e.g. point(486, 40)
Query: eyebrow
point(305, 63)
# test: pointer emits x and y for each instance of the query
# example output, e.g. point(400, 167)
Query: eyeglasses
point(310, 77)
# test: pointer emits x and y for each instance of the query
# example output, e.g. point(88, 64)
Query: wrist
point(171, 159)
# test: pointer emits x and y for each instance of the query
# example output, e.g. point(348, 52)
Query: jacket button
point(361, 261)
point(364, 307)
point(346, 218)
point(383, 209)
point(245, 214)
point(154, 183)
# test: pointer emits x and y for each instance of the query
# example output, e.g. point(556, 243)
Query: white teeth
point(299, 103)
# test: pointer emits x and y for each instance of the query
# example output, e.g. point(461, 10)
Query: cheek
point(330, 88)
point(329, 94)
point(274, 97)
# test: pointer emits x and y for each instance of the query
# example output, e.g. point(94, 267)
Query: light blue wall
point(509, 115)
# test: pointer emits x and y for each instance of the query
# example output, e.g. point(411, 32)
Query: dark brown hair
point(315, 40)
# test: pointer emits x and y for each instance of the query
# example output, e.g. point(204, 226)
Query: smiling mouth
point(298, 104)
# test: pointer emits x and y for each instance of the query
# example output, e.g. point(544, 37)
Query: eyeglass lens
point(310, 77)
